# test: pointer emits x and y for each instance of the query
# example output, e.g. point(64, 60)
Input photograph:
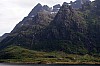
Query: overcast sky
point(13, 11)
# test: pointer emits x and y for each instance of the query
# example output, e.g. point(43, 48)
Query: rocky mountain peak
point(65, 14)
point(56, 8)
point(35, 10)
point(69, 17)
point(47, 8)
point(39, 4)
point(65, 22)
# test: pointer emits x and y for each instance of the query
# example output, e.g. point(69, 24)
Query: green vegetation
point(16, 54)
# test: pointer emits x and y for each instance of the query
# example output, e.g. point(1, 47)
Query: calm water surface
point(42, 65)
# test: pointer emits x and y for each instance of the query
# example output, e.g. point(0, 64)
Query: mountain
point(67, 32)
point(3, 36)
point(74, 31)
point(35, 10)
point(46, 8)
point(26, 29)
point(56, 8)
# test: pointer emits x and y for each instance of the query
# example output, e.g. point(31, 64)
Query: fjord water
point(42, 65)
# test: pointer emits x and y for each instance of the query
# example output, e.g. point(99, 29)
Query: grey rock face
point(56, 8)
point(35, 10)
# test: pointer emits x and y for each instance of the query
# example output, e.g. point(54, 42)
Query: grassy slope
point(16, 54)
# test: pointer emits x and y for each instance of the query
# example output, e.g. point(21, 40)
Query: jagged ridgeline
point(62, 28)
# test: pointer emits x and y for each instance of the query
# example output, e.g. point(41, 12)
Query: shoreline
point(66, 63)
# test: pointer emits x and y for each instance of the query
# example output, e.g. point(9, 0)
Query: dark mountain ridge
point(67, 28)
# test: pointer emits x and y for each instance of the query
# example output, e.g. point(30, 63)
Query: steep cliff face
point(66, 21)
point(41, 20)
point(67, 30)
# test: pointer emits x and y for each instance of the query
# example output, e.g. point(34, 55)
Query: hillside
point(17, 54)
